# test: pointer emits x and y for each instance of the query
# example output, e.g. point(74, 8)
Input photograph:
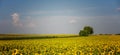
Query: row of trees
point(87, 30)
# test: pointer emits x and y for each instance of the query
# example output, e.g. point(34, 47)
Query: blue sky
point(59, 16)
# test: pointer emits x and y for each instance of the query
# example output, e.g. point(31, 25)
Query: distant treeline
point(108, 34)
point(11, 35)
point(34, 36)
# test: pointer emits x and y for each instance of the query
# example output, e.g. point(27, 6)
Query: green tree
point(87, 30)
point(83, 33)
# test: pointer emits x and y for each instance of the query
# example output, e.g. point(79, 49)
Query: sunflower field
point(92, 45)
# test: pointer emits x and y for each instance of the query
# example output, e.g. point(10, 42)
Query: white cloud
point(72, 21)
point(31, 24)
point(20, 23)
point(118, 9)
point(16, 20)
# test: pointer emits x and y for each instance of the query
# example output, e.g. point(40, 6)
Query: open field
point(92, 45)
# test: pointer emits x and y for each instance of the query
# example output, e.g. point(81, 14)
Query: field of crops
point(92, 45)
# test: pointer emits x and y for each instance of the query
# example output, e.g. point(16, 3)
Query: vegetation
point(34, 36)
point(92, 45)
point(83, 33)
point(87, 30)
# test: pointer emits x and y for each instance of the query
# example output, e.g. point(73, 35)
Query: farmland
point(57, 45)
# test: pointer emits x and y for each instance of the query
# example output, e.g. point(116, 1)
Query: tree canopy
point(87, 30)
